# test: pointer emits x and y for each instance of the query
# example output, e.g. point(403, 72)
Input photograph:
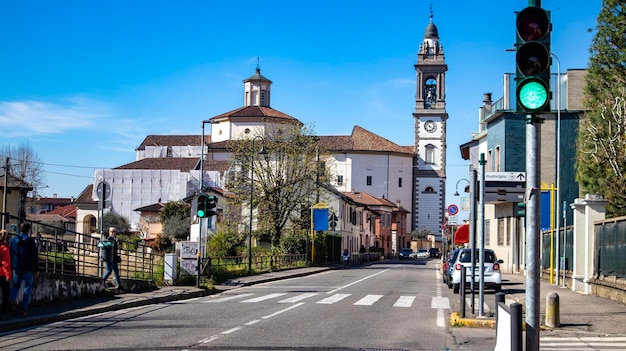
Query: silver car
point(491, 272)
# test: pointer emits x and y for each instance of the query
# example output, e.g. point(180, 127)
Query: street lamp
point(457, 186)
point(261, 152)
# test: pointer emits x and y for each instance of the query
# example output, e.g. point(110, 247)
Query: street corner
point(458, 322)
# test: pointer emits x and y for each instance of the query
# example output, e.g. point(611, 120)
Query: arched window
point(429, 155)
point(430, 92)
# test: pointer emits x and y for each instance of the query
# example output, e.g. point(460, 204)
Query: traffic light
point(521, 209)
point(201, 206)
point(532, 59)
point(211, 204)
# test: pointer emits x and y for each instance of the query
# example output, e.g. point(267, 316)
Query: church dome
point(431, 30)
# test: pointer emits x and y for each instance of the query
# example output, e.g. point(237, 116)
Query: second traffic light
point(532, 60)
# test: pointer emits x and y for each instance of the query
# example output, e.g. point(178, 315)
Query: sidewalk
point(580, 315)
point(54, 312)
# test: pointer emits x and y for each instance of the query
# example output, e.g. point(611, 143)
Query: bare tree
point(283, 178)
point(24, 164)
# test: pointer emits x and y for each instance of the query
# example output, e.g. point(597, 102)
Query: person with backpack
point(25, 265)
point(110, 256)
point(5, 271)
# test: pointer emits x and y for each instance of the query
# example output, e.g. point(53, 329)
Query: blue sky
point(84, 82)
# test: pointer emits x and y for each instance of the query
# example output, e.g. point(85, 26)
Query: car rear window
point(466, 256)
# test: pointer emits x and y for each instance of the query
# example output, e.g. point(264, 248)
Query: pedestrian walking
point(110, 255)
point(25, 265)
point(5, 271)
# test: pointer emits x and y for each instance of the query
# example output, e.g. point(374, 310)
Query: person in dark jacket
point(112, 258)
point(25, 265)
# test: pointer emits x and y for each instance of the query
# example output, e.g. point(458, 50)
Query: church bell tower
point(429, 177)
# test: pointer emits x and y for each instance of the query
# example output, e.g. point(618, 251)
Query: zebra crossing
point(574, 343)
point(404, 301)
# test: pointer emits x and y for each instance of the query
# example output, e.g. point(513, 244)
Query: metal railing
point(66, 252)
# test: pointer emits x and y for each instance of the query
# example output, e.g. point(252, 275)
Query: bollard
point(499, 299)
point(553, 319)
point(516, 327)
point(462, 292)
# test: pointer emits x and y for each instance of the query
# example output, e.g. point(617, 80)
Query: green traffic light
point(201, 213)
point(532, 95)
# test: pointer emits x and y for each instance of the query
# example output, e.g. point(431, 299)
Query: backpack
point(106, 250)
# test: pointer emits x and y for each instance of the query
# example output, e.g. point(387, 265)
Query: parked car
point(434, 252)
point(491, 272)
point(422, 253)
point(407, 253)
point(446, 267)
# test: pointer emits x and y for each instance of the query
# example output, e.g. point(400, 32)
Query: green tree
point(112, 219)
point(420, 234)
point(600, 162)
point(283, 178)
point(176, 220)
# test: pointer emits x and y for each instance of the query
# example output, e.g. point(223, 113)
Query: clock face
point(430, 126)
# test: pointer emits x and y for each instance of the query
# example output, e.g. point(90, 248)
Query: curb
point(57, 317)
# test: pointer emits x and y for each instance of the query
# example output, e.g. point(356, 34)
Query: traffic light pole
point(533, 174)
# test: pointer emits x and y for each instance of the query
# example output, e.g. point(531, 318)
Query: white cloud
point(32, 118)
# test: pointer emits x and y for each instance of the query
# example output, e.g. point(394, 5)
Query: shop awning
point(461, 236)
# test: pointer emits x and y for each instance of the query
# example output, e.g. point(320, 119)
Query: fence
point(566, 240)
point(611, 249)
point(79, 256)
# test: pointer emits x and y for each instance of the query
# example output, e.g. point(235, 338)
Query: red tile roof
point(363, 140)
point(265, 113)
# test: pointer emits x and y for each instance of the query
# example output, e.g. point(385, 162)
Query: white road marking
point(404, 301)
point(232, 330)
point(228, 298)
point(283, 311)
point(298, 298)
point(332, 299)
point(368, 300)
point(264, 297)
point(356, 282)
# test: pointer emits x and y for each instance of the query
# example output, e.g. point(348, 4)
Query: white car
point(491, 271)
point(423, 253)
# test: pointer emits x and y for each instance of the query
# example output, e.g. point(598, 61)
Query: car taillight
point(458, 266)
point(496, 267)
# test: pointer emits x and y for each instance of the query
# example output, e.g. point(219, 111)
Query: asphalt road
point(398, 305)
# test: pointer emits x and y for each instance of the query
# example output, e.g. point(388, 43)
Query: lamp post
point(261, 152)
point(200, 190)
point(457, 194)
point(558, 163)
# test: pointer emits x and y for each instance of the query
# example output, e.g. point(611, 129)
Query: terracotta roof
point(364, 198)
point(363, 140)
point(68, 211)
point(183, 164)
point(48, 218)
point(173, 140)
point(85, 195)
point(262, 112)
point(150, 208)
point(63, 214)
